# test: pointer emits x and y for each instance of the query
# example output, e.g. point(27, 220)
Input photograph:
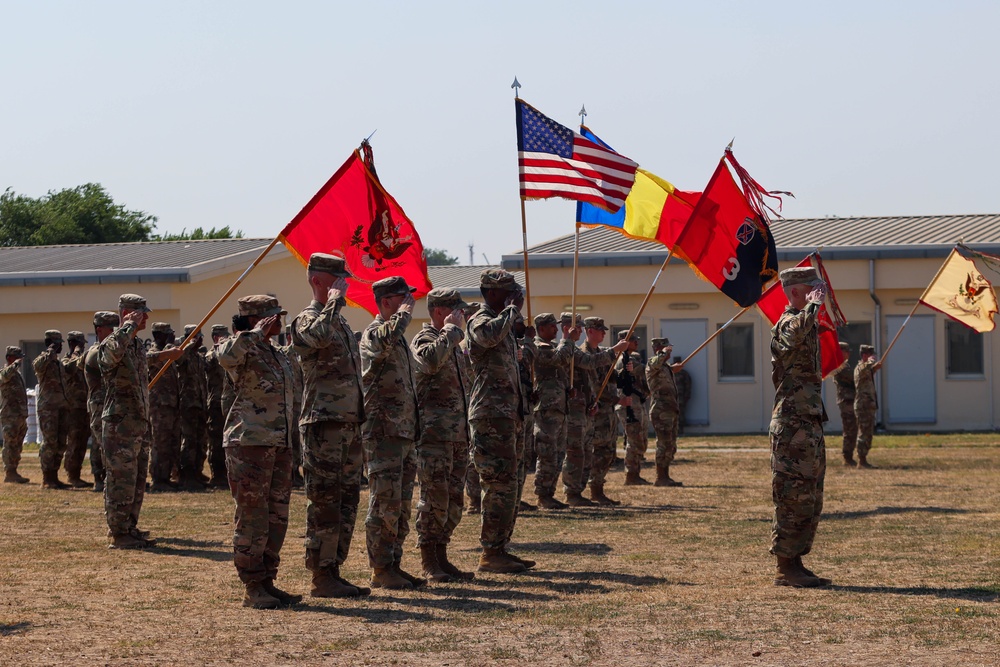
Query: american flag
point(555, 161)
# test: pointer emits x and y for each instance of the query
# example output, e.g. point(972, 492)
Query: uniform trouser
point(525, 435)
point(550, 444)
point(473, 488)
point(166, 448)
point(441, 470)
point(14, 430)
point(850, 421)
point(603, 441)
point(635, 437)
point(260, 479)
point(665, 425)
point(216, 454)
point(126, 458)
point(194, 441)
point(54, 424)
point(77, 436)
point(332, 467)
point(495, 444)
point(96, 449)
point(392, 469)
point(681, 415)
point(530, 457)
point(579, 449)
point(298, 459)
point(866, 429)
point(798, 467)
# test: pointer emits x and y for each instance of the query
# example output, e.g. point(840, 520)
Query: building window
point(736, 353)
point(964, 351)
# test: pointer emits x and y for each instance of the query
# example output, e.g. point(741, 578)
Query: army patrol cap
point(542, 319)
point(53, 334)
point(866, 349)
point(567, 318)
point(14, 351)
point(333, 264)
point(660, 342)
point(445, 298)
point(188, 328)
point(595, 323)
point(498, 279)
point(133, 302)
point(76, 336)
point(220, 330)
point(472, 308)
point(623, 334)
point(162, 327)
point(260, 305)
point(845, 346)
point(799, 275)
point(105, 318)
point(391, 287)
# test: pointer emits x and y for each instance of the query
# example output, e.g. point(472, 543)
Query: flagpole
point(635, 321)
point(216, 307)
point(576, 264)
point(717, 332)
point(527, 281)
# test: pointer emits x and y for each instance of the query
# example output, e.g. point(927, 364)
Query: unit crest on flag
point(746, 231)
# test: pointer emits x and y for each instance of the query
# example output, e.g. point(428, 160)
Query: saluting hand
point(406, 305)
point(574, 333)
point(456, 317)
point(818, 294)
point(337, 289)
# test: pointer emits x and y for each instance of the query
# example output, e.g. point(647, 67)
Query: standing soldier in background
point(798, 451)
point(391, 428)
point(605, 435)
point(259, 451)
point(164, 406)
point(78, 432)
point(551, 391)
point(683, 381)
point(293, 358)
point(52, 409)
point(192, 378)
point(527, 457)
point(442, 451)
point(664, 410)
point(865, 402)
point(123, 362)
point(13, 414)
point(843, 380)
point(216, 418)
point(332, 415)
point(105, 322)
point(632, 381)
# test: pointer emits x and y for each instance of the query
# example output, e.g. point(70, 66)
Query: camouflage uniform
point(296, 363)
point(192, 384)
point(683, 381)
point(663, 408)
point(551, 388)
point(605, 434)
point(215, 416)
point(95, 405)
point(527, 450)
point(78, 433)
point(798, 451)
point(390, 430)
point(52, 408)
point(635, 433)
point(13, 412)
point(164, 405)
point(865, 405)
point(257, 441)
point(579, 425)
point(442, 453)
point(332, 415)
point(121, 359)
point(473, 488)
point(843, 379)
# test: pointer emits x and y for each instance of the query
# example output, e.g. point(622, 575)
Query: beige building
point(940, 376)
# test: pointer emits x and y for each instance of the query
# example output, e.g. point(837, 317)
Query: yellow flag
point(962, 293)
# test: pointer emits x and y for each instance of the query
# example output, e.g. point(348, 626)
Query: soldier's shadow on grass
point(8, 629)
point(586, 548)
point(493, 590)
point(580, 580)
point(971, 593)
point(373, 614)
point(622, 513)
point(469, 604)
point(178, 546)
point(889, 510)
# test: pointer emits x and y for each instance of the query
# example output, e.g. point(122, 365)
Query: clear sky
point(235, 113)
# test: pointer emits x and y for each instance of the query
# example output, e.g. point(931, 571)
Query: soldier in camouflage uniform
point(164, 406)
point(258, 450)
point(331, 418)
point(843, 380)
point(866, 402)
point(392, 425)
point(798, 451)
point(664, 412)
point(683, 381)
point(78, 433)
point(123, 362)
point(442, 452)
point(605, 434)
point(192, 380)
point(527, 458)
point(13, 414)
point(632, 375)
point(52, 409)
point(293, 358)
point(551, 395)
point(105, 322)
point(216, 417)
point(496, 416)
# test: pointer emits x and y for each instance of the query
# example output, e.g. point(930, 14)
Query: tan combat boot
point(528, 564)
point(326, 585)
point(431, 567)
point(50, 480)
point(574, 499)
point(417, 582)
point(257, 597)
point(13, 478)
point(499, 562)
point(362, 590)
point(823, 581)
point(597, 495)
point(387, 577)
point(790, 574)
point(863, 462)
point(127, 541)
point(550, 503)
point(447, 566)
point(663, 477)
point(77, 483)
point(849, 459)
point(632, 478)
point(283, 597)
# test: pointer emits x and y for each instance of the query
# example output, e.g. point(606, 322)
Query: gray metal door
point(685, 336)
point(910, 372)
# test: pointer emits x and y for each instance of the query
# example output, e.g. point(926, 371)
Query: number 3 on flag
point(732, 271)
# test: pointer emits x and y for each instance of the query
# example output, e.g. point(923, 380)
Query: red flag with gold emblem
point(352, 215)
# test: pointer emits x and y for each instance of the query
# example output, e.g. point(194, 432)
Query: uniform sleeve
point(112, 349)
point(431, 350)
point(314, 329)
point(7, 373)
point(43, 364)
point(233, 350)
point(791, 331)
point(549, 356)
point(377, 341)
point(489, 332)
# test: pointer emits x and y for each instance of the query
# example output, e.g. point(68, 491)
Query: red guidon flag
point(352, 215)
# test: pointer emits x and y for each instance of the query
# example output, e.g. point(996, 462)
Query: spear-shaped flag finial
point(517, 87)
point(582, 114)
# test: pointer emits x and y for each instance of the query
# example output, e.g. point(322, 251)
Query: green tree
point(84, 214)
point(439, 257)
point(198, 234)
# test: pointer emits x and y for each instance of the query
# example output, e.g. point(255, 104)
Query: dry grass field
point(674, 577)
